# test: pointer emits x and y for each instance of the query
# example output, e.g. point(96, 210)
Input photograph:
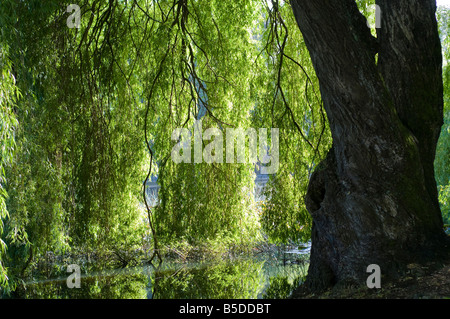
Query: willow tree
point(8, 97)
point(374, 199)
point(74, 179)
point(221, 63)
point(98, 97)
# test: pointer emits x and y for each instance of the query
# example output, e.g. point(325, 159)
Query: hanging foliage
point(100, 103)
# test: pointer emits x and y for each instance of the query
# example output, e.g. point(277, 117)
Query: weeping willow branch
point(147, 143)
point(276, 19)
point(280, 67)
point(322, 113)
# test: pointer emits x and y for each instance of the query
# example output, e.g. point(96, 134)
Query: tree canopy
point(87, 115)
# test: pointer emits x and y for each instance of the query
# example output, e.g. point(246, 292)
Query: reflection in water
point(113, 286)
point(225, 280)
point(244, 278)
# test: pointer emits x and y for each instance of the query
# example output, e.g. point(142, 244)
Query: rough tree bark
point(374, 199)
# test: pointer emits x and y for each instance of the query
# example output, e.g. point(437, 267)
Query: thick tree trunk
point(373, 200)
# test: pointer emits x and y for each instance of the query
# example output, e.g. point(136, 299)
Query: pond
point(262, 276)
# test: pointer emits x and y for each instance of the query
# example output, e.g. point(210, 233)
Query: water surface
point(250, 277)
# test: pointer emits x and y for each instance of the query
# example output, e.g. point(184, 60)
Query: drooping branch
point(276, 20)
point(149, 148)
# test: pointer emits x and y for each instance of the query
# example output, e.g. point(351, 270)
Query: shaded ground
point(420, 282)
